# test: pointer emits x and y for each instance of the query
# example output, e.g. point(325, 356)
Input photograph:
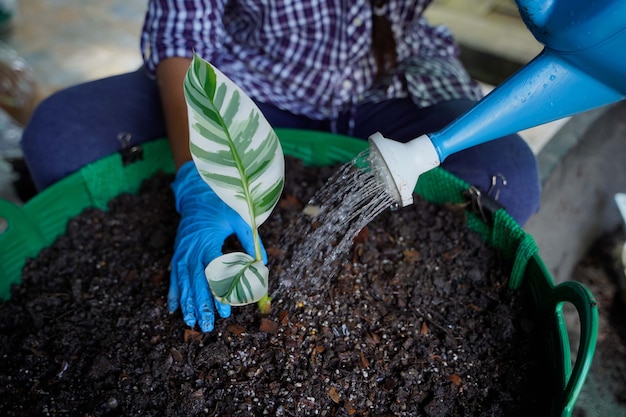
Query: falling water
point(349, 200)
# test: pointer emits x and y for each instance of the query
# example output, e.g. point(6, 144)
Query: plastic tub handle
point(581, 298)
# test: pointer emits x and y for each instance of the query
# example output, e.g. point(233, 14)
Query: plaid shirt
point(309, 57)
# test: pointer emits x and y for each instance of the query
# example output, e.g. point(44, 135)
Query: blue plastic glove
point(206, 221)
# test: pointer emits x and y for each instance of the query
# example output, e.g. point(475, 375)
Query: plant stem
point(258, 255)
point(265, 304)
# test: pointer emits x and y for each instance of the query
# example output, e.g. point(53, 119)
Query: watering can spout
point(581, 68)
point(398, 165)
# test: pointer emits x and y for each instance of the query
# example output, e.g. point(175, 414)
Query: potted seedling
point(239, 156)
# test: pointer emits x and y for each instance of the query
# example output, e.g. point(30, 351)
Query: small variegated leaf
point(233, 146)
point(237, 278)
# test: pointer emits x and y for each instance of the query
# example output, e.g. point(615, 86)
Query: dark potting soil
point(418, 321)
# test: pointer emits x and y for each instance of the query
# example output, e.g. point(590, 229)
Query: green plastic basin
point(36, 224)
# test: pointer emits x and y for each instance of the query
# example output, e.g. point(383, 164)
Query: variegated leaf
point(237, 278)
point(233, 146)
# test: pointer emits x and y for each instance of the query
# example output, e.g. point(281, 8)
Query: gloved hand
point(206, 221)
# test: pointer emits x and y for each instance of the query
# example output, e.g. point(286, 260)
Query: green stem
point(258, 255)
point(265, 304)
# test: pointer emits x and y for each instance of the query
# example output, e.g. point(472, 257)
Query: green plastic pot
point(36, 224)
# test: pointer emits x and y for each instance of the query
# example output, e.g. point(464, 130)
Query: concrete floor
point(70, 41)
point(66, 42)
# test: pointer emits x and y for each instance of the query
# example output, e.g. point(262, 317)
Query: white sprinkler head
point(398, 165)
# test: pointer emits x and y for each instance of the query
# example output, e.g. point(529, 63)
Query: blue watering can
point(582, 66)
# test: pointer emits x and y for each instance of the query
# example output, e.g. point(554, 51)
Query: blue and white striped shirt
point(309, 57)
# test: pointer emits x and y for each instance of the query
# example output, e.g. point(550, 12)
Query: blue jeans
point(86, 122)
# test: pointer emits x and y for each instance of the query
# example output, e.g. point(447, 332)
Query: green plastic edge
point(36, 225)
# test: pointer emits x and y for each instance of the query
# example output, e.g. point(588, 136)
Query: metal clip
point(482, 204)
point(496, 186)
point(129, 153)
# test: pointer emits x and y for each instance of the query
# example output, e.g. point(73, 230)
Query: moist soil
point(417, 321)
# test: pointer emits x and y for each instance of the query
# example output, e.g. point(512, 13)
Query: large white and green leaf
point(233, 146)
point(237, 278)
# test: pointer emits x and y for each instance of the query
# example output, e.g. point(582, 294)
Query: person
point(350, 67)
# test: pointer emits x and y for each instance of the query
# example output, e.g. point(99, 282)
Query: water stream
point(350, 199)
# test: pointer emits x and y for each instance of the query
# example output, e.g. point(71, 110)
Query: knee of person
point(524, 203)
point(506, 171)
point(43, 141)
point(520, 189)
point(42, 123)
